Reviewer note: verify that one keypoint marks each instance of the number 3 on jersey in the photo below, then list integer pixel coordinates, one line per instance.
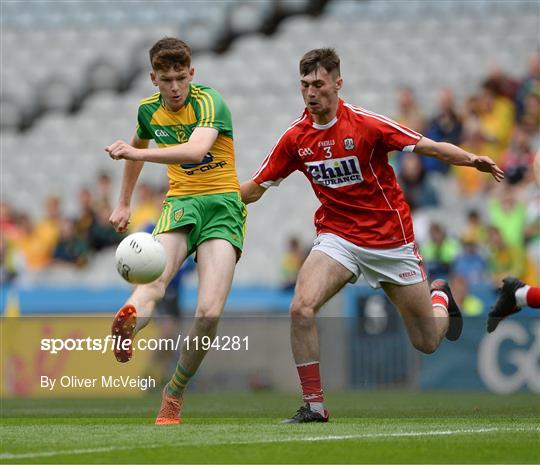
(328, 150)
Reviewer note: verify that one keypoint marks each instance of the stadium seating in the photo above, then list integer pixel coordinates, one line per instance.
(54, 54)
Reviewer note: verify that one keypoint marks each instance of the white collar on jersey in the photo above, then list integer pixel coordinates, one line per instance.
(326, 125)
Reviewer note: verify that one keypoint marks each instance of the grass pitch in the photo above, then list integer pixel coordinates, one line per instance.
(365, 427)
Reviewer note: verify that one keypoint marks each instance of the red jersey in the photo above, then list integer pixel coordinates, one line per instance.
(346, 161)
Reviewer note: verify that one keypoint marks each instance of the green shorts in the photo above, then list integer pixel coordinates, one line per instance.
(221, 215)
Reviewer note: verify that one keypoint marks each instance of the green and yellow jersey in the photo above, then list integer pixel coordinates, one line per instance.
(204, 107)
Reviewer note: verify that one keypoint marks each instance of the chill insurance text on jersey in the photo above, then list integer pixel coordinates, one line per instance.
(335, 171)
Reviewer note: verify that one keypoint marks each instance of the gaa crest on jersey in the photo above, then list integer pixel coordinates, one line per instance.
(161, 133)
(304, 152)
(178, 214)
(348, 143)
(335, 173)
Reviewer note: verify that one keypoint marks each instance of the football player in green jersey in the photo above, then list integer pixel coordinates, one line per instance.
(203, 212)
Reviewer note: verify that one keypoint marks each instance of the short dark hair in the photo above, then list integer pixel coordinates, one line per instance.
(326, 57)
(170, 52)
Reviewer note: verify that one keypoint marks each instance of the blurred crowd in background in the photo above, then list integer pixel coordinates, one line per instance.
(30, 245)
(501, 235)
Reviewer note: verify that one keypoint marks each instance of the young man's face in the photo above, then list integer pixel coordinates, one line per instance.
(173, 85)
(320, 92)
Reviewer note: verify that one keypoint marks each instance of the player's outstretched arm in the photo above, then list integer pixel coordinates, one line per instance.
(251, 192)
(191, 152)
(536, 168)
(120, 216)
(451, 154)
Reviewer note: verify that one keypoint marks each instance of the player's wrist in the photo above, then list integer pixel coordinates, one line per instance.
(473, 159)
(139, 154)
(123, 203)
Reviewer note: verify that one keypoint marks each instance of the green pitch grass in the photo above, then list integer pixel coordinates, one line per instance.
(365, 427)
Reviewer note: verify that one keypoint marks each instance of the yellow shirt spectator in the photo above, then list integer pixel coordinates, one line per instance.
(497, 121)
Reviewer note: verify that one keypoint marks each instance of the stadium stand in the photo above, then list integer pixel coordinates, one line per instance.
(73, 73)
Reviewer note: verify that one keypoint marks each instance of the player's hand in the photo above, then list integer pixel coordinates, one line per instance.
(486, 164)
(122, 150)
(119, 218)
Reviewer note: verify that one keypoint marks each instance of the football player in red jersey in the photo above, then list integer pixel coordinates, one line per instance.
(363, 225)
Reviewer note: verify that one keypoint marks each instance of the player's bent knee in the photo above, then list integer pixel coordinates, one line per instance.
(301, 311)
(427, 346)
(206, 321)
(208, 312)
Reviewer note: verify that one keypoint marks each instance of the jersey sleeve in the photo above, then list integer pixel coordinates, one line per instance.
(396, 137)
(212, 111)
(143, 129)
(278, 165)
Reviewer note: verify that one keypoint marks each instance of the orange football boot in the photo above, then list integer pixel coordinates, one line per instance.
(169, 412)
(122, 328)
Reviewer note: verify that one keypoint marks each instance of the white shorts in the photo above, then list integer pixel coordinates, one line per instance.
(402, 265)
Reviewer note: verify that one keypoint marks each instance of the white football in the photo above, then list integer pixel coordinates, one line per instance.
(140, 258)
